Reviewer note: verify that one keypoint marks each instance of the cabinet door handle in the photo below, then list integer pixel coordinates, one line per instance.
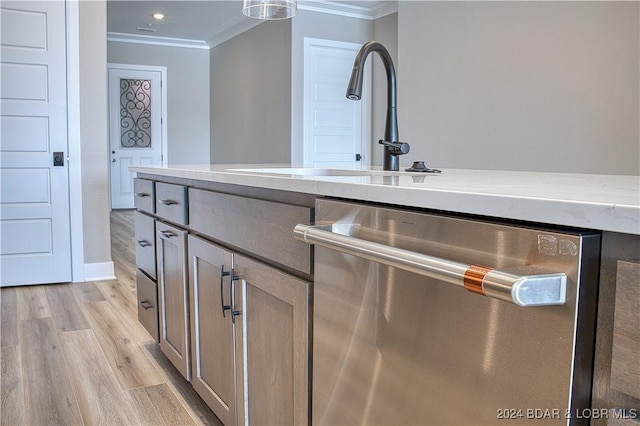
(143, 243)
(167, 202)
(167, 234)
(142, 194)
(145, 304)
(223, 307)
(232, 297)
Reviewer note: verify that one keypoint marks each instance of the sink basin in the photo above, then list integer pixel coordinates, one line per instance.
(302, 171)
(308, 171)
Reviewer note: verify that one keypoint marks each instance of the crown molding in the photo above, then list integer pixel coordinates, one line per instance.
(233, 30)
(349, 10)
(384, 9)
(158, 41)
(237, 28)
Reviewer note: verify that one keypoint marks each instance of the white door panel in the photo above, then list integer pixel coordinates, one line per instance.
(334, 144)
(24, 134)
(22, 185)
(16, 20)
(135, 126)
(24, 82)
(26, 237)
(121, 167)
(35, 237)
(335, 128)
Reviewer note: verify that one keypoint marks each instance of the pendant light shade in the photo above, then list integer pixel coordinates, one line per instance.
(270, 9)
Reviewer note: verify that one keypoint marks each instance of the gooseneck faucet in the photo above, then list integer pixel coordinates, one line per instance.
(392, 147)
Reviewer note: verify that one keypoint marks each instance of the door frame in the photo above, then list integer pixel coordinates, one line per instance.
(163, 105)
(365, 101)
(74, 141)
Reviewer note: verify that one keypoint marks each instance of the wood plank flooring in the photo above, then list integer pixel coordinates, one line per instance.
(76, 354)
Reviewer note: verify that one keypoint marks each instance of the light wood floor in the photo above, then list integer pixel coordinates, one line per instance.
(76, 354)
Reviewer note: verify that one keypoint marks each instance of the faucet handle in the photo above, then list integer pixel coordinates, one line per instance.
(396, 148)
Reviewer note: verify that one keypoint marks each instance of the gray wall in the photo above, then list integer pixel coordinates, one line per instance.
(324, 26)
(187, 95)
(385, 30)
(93, 131)
(544, 86)
(251, 96)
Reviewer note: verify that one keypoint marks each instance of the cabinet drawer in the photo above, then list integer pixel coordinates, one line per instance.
(171, 202)
(145, 236)
(147, 303)
(264, 228)
(144, 199)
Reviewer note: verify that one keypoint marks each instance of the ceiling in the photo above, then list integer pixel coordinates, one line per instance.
(207, 23)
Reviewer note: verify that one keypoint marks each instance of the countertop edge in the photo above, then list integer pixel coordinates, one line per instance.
(613, 217)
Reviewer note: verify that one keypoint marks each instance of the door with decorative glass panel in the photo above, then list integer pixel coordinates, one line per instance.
(136, 125)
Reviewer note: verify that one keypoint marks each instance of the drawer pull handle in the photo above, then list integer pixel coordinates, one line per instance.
(145, 304)
(142, 194)
(168, 202)
(167, 234)
(143, 243)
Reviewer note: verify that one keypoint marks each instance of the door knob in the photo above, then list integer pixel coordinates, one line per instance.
(58, 159)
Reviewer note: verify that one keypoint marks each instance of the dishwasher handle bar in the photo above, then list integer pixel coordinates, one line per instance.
(523, 290)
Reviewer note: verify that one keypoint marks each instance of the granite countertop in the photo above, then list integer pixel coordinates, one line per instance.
(600, 202)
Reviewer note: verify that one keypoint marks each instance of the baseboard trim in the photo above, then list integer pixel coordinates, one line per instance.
(99, 271)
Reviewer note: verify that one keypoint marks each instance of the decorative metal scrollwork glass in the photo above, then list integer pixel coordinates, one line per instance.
(135, 113)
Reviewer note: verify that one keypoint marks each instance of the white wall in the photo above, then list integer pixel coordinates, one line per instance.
(385, 30)
(257, 103)
(187, 95)
(544, 86)
(324, 26)
(93, 132)
(251, 96)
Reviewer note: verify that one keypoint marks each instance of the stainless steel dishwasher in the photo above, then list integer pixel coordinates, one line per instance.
(428, 319)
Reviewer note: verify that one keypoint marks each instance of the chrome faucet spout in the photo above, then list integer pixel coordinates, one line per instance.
(354, 93)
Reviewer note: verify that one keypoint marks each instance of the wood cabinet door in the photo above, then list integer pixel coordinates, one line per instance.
(616, 378)
(212, 333)
(275, 358)
(173, 296)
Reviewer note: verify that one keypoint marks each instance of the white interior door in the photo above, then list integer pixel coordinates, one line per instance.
(35, 246)
(135, 126)
(335, 128)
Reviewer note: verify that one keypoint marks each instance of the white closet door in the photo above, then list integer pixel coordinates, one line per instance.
(334, 127)
(35, 245)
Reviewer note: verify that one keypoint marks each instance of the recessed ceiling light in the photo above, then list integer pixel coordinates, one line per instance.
(158, 16)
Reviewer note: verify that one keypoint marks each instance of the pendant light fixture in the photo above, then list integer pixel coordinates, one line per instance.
(270, 9)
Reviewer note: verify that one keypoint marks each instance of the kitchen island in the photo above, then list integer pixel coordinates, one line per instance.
(242, 217)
